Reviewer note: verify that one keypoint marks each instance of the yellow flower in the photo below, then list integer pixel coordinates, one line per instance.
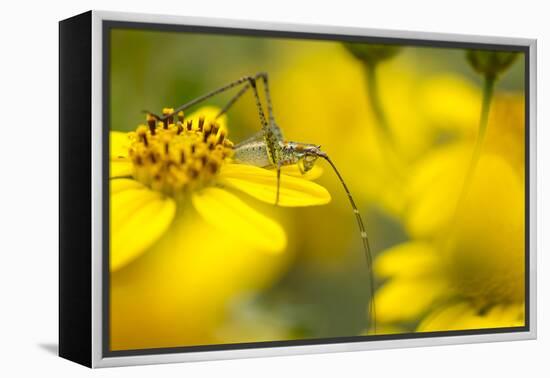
(464, 267)
(185, 239)
(436, 180)
(180, 292)
(480, 264)
(159, 167)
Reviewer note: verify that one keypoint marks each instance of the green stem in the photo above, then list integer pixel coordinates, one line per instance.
(375, 102)
(447, 237)
(389, 148)
(488, 90)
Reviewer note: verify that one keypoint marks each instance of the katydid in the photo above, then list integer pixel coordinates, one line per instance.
(268, 149)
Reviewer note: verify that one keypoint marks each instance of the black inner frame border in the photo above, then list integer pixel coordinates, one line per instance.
(108, 25)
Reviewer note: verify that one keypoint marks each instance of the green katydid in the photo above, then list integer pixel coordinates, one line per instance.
(268, 149)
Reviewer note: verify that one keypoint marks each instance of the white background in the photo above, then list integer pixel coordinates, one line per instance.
(29, 189)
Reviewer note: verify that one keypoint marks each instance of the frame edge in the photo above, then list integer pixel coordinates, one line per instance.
(99, 361)
(75, 306)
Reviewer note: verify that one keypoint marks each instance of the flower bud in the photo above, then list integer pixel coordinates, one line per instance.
(370, 53)
(490, 63)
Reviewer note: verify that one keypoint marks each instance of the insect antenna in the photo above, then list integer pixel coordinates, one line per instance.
(364, 239)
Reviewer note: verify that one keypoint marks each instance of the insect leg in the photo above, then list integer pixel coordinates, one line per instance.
(276, 130)
(271, 134)
(271, 138)
(251, 83)
(271, 118)
(202, 98)
(208, 95)
(264, 77)
(275, 134)
(232, 101)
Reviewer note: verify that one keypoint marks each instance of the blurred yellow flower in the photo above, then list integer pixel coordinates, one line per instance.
(154, 170)
(436, 180)
(464, 266)
(321, 95)
(324, 98)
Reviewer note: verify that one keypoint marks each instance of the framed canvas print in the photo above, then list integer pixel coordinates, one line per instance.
(237, 189)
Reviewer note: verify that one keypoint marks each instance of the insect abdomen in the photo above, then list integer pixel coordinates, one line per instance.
(253, 153)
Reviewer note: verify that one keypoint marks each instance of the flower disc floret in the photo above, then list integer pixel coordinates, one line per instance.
(175, 157)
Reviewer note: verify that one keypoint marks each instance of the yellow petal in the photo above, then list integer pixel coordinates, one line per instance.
(406, 300)
(463, 316)
(139, 216)
(124, 184)
(228, 213)
(179, 292)
(486, 246)
(293, 170)
(450, 102)
(120, 168)
(434, 188)
(442, 319)
(413, 259)
(506, 130)
(262, 184)
(119, 145)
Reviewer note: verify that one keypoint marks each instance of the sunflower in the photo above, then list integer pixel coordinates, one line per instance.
(158, 168)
